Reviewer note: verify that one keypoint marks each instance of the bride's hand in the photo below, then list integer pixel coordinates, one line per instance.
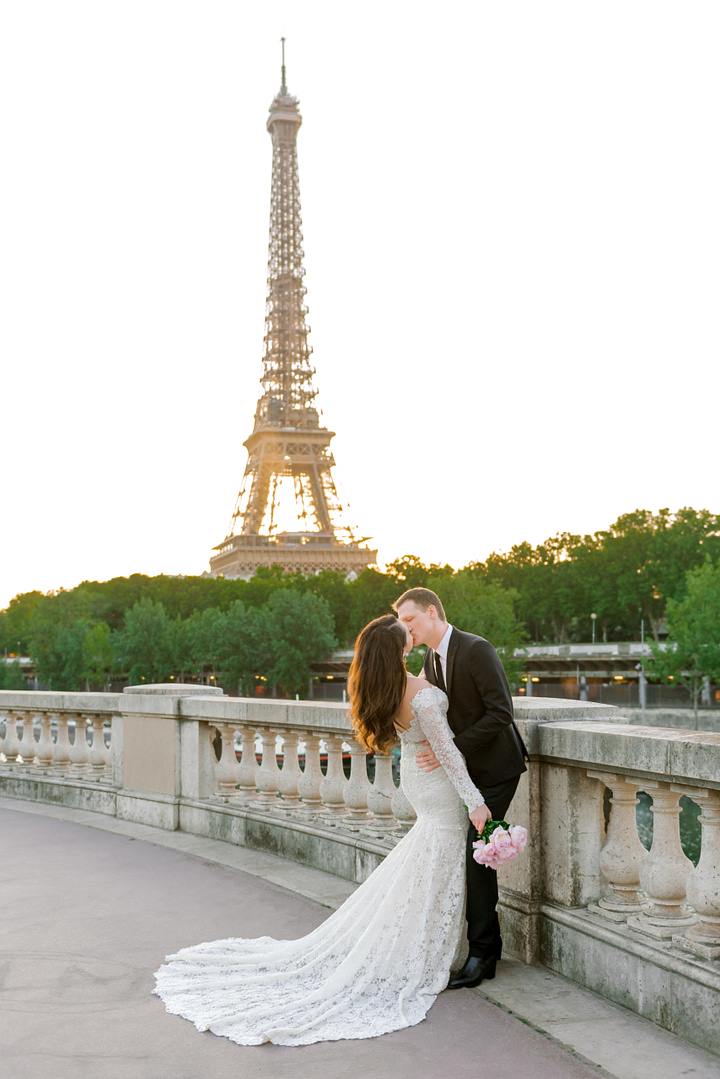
(479, 816)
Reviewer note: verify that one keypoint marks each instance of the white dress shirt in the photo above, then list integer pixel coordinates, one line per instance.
(442, 651)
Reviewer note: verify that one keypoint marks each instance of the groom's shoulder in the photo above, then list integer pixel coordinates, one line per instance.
(469, 638)
(473, 642)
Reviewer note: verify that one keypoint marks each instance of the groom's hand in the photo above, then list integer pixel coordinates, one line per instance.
(426, 759)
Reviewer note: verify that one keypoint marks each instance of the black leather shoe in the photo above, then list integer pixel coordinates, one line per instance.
(475, 970)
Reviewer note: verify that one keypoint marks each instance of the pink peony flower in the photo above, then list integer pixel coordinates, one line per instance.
(518, 836)
(503, 844)
(501, 840)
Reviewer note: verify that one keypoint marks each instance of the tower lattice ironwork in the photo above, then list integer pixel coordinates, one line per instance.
(288, 445)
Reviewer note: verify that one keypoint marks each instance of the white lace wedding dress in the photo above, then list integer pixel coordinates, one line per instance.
(378, 963)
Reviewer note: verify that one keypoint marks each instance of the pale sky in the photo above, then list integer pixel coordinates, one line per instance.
(512, 227)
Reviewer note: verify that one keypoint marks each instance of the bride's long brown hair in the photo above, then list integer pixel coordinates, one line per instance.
(377, 681)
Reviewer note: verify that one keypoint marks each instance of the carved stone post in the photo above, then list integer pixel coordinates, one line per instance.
(248, 771)
(664, 872)
(61, 752)
(290, 774)
(332, 787)
(28, 745)
(703, 884)
(358, 786)
(45, 746)
(98, 759)
(80, 751)
(11, 745)
(107, 751)
(267, 777)
(382, 793)
(226, 769)
(309, 784)
(623, 854)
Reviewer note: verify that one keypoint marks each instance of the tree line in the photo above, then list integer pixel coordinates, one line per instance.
(271, 627)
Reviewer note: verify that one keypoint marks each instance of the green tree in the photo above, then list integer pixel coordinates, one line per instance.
(372, 594)
(56, 631)
(15, 623)
(333, 587)
(196, 643)
(648, 556)
(144, 646)
(242, 646)
(70, 656)
(479, 606)
(11, 676)
(415, 659)
(693, 651)
(98, 654)
(299, 630)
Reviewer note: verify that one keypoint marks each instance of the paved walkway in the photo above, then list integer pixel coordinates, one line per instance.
(90, 911)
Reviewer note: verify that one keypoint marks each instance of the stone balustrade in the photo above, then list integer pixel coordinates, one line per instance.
(586, 898)
(37, 738)
(190, 757)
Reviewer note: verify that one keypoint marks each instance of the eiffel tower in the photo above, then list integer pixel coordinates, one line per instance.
(289, 459)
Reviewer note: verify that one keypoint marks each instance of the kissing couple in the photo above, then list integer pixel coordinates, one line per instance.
(380, 960)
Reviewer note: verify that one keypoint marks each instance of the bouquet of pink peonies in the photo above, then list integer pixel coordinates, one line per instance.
(499, 842)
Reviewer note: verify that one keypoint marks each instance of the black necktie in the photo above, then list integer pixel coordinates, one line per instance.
(439, 673)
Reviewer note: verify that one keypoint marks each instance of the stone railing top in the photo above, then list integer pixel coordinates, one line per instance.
(666, 753)
(174, 689)
(40, 701)
(208, 703)
(212, 706)
(553, 709)
(324, 716)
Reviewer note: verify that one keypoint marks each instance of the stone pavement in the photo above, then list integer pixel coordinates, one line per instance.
(91, 905)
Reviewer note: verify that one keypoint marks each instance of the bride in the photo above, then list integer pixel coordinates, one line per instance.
(378, 963)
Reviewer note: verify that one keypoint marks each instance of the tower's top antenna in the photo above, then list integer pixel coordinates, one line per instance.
(283, 86)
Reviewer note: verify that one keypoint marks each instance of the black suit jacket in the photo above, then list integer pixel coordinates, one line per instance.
(480, 713)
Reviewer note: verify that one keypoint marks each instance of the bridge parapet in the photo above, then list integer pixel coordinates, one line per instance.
(586, 899)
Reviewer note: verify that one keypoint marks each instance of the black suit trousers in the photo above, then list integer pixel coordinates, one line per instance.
(482, 887)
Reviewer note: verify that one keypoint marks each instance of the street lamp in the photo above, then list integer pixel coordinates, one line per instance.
(594, 619)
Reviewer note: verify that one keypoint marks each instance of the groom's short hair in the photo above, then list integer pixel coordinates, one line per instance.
(424, 598)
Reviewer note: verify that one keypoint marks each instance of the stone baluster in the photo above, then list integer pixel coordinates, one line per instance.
(664, 873)
(61, 752)
(226, 769)
(46, 746)
(358, 786)
(11, 746)
(98, 760)
(106, 750)
(28, 745)
(4, 718)
(309, 783)
(267, 777)
(80, 751)
(332, 787)
(290, 774)
(623, 853)
(383, 791)
(703, 884)
(248, 771)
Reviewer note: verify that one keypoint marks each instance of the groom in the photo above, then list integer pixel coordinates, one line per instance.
(480, 715)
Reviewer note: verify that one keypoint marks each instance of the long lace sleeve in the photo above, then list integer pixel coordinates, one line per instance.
(429, 708)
